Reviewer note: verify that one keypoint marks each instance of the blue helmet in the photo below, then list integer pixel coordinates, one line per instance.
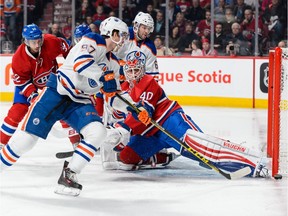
(80, 31)
(31, 32)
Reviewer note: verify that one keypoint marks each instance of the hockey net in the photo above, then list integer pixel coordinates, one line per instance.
(277, 130)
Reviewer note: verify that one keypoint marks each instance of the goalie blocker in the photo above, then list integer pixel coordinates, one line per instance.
(223, 154)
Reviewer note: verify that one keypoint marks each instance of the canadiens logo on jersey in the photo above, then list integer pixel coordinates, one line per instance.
(41, 80)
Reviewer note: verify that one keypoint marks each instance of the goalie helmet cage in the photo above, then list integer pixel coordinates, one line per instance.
(277, 130)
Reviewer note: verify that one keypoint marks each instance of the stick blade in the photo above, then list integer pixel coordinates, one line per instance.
(61, 155)
(240, 173)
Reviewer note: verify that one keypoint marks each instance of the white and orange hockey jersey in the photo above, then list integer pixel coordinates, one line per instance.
(79, 75)
(145, 46)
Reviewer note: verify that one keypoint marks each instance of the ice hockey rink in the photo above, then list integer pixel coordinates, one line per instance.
(183, 188)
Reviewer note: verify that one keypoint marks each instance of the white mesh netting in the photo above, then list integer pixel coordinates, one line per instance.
(283, 148)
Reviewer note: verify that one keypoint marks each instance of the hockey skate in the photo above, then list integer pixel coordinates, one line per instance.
(67, 183)
(261, 171)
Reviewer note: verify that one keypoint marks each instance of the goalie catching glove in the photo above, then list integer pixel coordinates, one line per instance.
(144, 114)
(117, 135)
(109, 88)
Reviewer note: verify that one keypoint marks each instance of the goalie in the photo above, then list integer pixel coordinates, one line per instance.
(136, 140)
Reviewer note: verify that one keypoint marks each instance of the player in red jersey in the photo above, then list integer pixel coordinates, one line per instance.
(146, 139)
(32, 64)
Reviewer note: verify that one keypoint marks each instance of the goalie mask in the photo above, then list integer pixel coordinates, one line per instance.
(143, 19)
(134, 68)
(112, 24)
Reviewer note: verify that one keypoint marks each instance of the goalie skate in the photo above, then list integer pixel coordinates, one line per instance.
(67, 183)
(261, 171)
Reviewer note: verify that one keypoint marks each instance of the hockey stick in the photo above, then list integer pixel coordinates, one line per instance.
(61, 155)
(233, 175)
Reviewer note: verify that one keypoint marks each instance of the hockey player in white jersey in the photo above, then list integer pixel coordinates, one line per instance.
(143, 26)
(89, 68)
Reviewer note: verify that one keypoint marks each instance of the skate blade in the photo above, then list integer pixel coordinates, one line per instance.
(68, 191)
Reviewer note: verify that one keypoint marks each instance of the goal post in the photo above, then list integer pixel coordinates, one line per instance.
(277, 130)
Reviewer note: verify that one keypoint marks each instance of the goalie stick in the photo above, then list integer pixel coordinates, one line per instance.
(231, 176)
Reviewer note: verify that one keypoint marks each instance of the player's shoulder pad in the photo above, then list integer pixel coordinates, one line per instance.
(149, 43)
(98, 38)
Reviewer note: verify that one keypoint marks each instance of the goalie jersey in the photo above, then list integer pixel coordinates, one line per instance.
(149, 90)
(82, 81)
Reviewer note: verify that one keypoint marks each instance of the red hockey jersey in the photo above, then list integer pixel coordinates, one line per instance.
(150, 91)
(28, 70)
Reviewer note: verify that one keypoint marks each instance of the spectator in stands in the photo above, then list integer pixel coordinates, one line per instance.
(219, 11)
(10, 11)
(219, 39)
(235, 43)
(228, 3)
(239, 9)
(83, 11)
(196, 48)
(2, 30)
(184, 6)
(112, 14)
(196, 13)
(186, 39)
(203, 27)
(173, 10)
(248, 28)
(276, 18)
(180, 22)
(205, 4)
(55, 30)
(95, 26)
(159, 25)
(108, 5)
(88, 20)
(67, 29)
(206, 48)
(150, 10)
(265, 4)
(174, 38)
(283, 44)
(161, 49)
(99, 15)
(229, 20)
(128, 14)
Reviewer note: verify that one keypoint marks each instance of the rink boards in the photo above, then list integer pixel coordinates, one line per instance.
(203, 81)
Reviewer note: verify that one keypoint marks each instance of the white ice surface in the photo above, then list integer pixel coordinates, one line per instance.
(184, 188)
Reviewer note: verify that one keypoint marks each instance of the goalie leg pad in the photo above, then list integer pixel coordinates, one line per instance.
(129, 156)
(224, 154)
